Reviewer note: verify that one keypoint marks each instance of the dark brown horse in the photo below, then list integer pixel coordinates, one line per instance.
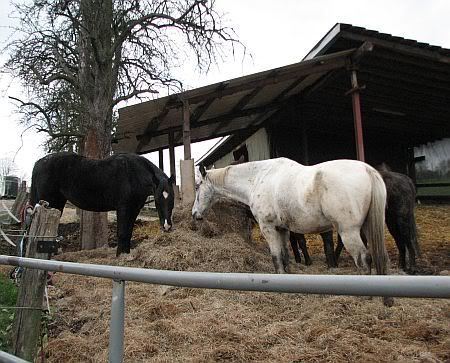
(121, 182)
(401, 196)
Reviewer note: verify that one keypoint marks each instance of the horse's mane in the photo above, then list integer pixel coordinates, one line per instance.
(217, 176)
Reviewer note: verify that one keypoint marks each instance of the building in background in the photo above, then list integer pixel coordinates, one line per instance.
(9, 186)
(358, 94)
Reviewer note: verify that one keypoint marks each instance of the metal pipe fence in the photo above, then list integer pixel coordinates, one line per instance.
(9, 358)
(359, 285)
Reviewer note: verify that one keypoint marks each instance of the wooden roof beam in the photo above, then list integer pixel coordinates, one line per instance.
(200, 110)
(240, 105)
(316, 65)
(219, 119)
(153, 124)
(145, 138)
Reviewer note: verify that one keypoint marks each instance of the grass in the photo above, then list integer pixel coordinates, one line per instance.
(8, 296)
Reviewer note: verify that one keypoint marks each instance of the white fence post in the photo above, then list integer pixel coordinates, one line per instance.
(116, 331)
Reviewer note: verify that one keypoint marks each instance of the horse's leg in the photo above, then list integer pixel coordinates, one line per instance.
(304, 248)
(412, 256)
(353, 243)
(125, 221)
(284, 234)
(339, 248)
(277, 240)
(133, 215)
(328, 247)
(295, 247)
(409, 234)
(395, 230)
(121, 229)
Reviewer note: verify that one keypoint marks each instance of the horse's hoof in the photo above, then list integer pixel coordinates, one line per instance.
(388, 301)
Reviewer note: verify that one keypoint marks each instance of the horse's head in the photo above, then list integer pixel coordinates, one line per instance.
(164, 202)
(204, 193)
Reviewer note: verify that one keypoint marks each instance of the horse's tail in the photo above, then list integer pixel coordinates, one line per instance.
(374, 223)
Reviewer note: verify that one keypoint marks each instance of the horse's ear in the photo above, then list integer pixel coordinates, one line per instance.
(202, 170)
(172, 179)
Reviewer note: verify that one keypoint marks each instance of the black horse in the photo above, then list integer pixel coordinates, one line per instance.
(121, 182)
(401, 196)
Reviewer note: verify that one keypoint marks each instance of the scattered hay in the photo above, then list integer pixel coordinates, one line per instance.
(214, 325)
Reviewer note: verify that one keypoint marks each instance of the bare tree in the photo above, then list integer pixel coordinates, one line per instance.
(7, 167)
(78, 59)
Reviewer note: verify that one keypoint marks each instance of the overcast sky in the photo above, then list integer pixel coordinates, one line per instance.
(276, 33)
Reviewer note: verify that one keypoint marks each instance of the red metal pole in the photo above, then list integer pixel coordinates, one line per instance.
(356, 103)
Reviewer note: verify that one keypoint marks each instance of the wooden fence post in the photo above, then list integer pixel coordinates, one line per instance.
(20, 201)
(27, 322)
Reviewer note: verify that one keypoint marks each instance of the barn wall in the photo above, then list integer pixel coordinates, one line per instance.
(257, 147)
(323, 145)
(434, 168)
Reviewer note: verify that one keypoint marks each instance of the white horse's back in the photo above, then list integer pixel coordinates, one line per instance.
(310, 199)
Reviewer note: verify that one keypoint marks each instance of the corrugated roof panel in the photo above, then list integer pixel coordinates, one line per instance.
(308, 81)
(223, 105)
(268, 93)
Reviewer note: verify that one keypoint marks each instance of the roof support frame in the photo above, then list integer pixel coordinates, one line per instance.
(316, 65)
(186, 131)
(398, 47)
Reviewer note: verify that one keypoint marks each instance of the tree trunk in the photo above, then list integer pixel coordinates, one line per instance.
(93, 226)
(96, 81)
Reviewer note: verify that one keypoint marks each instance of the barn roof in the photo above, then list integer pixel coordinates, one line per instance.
(407, 88)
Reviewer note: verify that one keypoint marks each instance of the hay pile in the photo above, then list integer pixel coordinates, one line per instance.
(178, 325)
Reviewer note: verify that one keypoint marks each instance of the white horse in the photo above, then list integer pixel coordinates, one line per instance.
(283, 195)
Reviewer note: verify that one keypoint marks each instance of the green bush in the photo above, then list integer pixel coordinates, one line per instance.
(8, 296)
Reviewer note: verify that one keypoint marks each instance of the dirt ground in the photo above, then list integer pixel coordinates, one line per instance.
(194, 325)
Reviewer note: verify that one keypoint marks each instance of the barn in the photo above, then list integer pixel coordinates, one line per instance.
(358, 94)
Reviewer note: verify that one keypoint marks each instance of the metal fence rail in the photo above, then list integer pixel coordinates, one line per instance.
(362, 285)
(9, 358)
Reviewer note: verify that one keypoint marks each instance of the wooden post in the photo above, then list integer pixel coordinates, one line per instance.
(172, 154)
(161, 159)
(187, 165)
(187, 181)
(27, 323)
(186, 130)
(20, 202)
